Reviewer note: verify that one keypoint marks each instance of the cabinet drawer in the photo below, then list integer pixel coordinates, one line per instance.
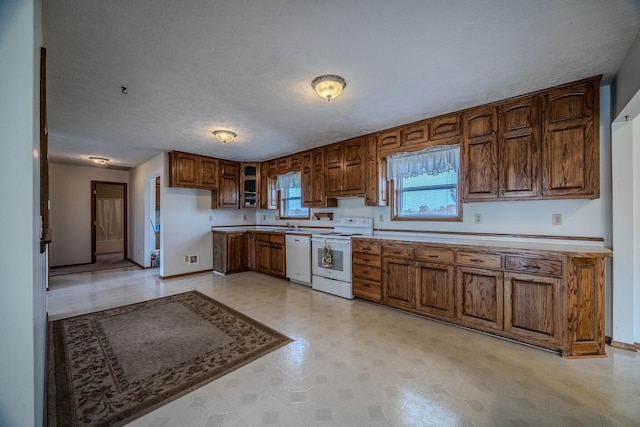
(276, 238)
(479, 259)
(399, 251)
(367, 272)
(367, 289)
(366, 259)
(533, 265)
(366, 248)
(262, 237)
(434, 255)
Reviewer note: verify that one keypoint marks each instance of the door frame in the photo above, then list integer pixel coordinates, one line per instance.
(93, 217)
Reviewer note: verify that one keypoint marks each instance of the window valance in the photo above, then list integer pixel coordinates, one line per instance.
(430, 161)
(288, 180)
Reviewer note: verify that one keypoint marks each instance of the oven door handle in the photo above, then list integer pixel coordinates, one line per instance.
(333, 242)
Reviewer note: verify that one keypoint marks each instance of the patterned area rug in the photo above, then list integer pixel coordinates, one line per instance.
(110, 367)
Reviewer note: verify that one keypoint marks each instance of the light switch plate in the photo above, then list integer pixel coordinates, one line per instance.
(556, 219)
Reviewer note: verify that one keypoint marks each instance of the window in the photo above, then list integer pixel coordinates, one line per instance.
(291, 197)
(426, 184)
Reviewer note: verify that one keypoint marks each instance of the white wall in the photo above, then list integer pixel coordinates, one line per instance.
(140, 208)
(22, 275)
(70, 194)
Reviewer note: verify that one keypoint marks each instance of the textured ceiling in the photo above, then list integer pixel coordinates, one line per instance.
(192, 66)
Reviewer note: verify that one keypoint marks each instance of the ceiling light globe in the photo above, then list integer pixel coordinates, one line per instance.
(99, 160)
(224, 136)
(328, 86)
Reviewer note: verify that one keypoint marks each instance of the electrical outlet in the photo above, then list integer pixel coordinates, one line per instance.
(381, 218)
(186, 258)
(556, 219)
(244, 217)
(210, 217)
(478, 218)
(264, 217)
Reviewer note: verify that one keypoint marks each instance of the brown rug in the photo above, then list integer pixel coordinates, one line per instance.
(111, 367)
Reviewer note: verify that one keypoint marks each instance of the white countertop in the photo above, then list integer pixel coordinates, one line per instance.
(499, 242)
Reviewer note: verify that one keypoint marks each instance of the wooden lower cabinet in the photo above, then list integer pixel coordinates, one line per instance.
(270, 254)
(435, 289)
(398, 283)
(367, 271)
(229, 252)
(532, 308)
(252, 251)
(479, 298)
(549, 298)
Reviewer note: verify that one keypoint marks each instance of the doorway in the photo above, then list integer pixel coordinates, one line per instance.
(108, 221)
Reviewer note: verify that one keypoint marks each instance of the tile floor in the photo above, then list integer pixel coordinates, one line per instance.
(355, 363)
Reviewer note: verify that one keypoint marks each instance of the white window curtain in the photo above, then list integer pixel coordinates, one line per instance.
(288, 180)
(109, 220)
(430, 161)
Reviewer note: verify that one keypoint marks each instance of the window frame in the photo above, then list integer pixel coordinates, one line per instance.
(281, 207)
(395, 197)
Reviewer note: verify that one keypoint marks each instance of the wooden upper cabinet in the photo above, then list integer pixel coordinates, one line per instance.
(519, 148)
(415, 134)
(570, 151)
(354, 167)
(250, 185)
(445, 126)
(282, 165)
(479, 154)
(228, 194)
(313, 180)
(295, 162)
(334, 170)
(192, 171)
(389, 140)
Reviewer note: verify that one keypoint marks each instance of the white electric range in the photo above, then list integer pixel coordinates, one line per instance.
(331, 255)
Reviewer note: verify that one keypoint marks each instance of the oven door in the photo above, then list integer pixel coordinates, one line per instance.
(340, 250)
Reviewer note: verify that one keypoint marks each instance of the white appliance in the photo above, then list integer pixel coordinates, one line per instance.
(332, 273)
(298, 258)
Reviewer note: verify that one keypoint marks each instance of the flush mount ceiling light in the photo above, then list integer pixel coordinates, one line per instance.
(99, 160)
(328, 86)
(224, 136)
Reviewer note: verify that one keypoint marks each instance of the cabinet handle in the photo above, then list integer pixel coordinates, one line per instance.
(476, 260)
(532, 267)
(396, 252)
(366, 248)
(434, 256)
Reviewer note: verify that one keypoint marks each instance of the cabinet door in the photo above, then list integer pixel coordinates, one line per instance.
(207, 172)
(479, 298)
(317, 190)
(398, 283)
(389, 141)
(263, 257)
(295, 162)
(415, 134)
(570, 154)
(249, 185)
(519, 148)
(220, 252)
(371, 175)
(435, 289)
(479, 154)
(252, 251)
(277, 260)
(228, 185)
(183, 169)
(306, 179)
(445, 126)
(333, 158)
(354, 170)
(531, 308)
(237, 252)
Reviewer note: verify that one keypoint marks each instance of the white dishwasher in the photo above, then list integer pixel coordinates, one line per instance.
(298, 257)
